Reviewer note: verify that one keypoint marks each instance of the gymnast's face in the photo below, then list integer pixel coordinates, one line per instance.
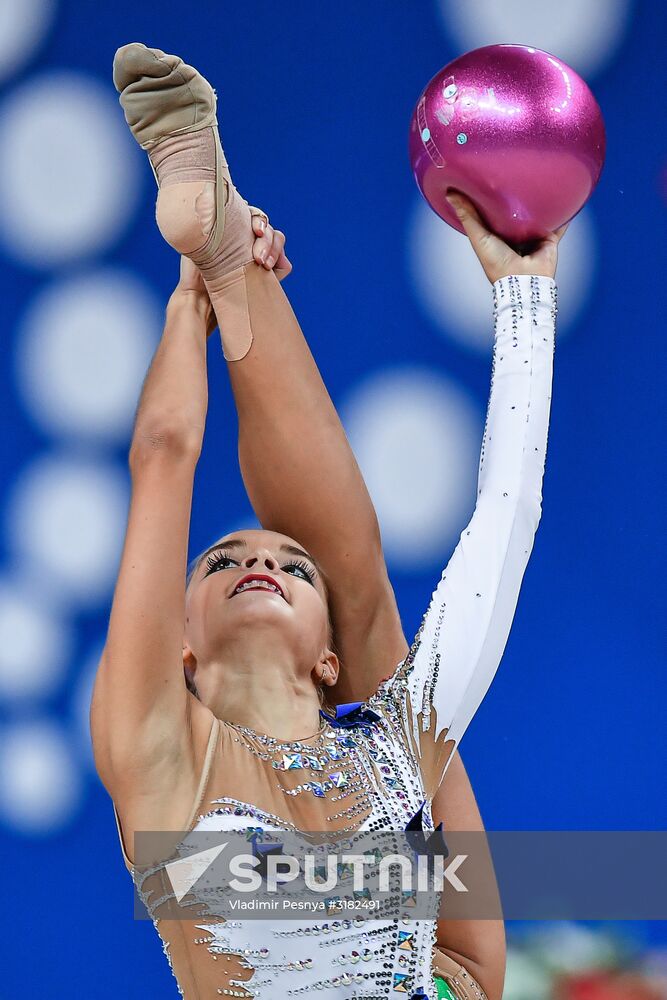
(229, 611)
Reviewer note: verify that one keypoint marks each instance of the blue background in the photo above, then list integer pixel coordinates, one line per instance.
(315, 103)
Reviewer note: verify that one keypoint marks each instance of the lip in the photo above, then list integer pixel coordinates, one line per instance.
(258, 576)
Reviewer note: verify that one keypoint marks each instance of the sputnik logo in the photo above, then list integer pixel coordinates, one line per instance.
(184, 873)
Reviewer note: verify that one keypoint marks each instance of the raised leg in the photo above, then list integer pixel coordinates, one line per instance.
(299, 470)
(302, 479)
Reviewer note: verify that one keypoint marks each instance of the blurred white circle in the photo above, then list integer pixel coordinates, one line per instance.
(35, 644)
(23, 24)
(417, 438)
(456, 294)
(83, 351)
(66, 521)
(584, 33)
(40, 783)
(68, 171)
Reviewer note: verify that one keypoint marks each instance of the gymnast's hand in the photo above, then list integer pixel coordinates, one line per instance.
(496, 257)
(191, 293)
(268, 250)
(269, 247)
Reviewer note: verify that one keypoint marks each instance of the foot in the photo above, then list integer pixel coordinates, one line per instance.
(171, 110)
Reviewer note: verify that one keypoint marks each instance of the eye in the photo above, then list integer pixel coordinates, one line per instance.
(219, 560)
(301, 570)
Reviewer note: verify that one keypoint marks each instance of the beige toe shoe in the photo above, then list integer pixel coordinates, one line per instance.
(162, 97)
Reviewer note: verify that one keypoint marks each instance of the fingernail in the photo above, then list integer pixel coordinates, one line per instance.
(262, 225)
(262, 256)
(270, 261)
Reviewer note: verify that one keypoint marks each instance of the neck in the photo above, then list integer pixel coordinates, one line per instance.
(270, 698)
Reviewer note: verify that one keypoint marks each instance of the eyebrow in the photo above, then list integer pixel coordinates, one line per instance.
(238, 543)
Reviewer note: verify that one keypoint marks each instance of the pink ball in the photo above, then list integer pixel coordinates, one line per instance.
(517, 131)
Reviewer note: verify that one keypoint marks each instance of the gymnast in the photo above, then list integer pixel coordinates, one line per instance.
(220, 692)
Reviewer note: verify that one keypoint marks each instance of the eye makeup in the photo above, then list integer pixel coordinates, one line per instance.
(221, 559)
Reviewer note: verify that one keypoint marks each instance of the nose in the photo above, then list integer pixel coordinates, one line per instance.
(260, 558)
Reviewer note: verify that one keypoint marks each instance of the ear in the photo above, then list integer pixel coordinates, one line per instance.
(189, 662)
(327, 669)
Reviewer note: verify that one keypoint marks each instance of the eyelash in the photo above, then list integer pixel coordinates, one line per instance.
(215, 560)
(302, 566)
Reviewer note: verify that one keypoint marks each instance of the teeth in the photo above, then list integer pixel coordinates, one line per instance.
(253, 584)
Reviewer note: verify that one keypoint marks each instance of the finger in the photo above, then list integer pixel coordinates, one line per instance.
(468, 216)
(258, 225)
(262, 246)
(283, 267)
(276, 248)
(187, 269)
(266, 249)
(190, 276)
(560, 232)
(259, 220)
(258, 248)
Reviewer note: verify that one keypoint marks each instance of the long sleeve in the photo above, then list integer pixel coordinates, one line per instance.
(452, 661)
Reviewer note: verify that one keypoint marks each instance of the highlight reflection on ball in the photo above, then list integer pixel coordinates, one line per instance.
(516, 130)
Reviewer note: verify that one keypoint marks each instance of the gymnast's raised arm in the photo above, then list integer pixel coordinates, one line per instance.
(140, 712)
(464, 631)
